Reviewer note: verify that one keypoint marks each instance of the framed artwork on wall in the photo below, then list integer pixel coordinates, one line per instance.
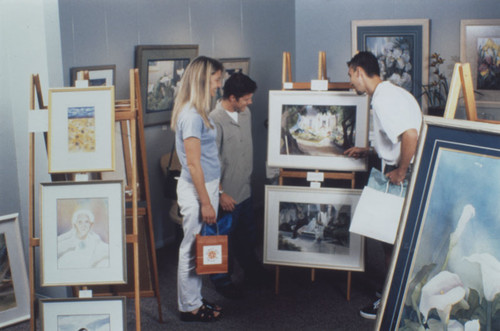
(401, 47)
(81, 129)
(160, 70)
(82, 233)
(311, 130)
(234, 65)
(14, 288)
(480, 46)
(103, 313)
(309, 227)
(98, 75)
(446, 263)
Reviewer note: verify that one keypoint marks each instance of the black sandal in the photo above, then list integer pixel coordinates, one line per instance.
(211, 305)
(204, 314)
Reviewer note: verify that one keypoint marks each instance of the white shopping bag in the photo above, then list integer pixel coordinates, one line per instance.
(377, 215)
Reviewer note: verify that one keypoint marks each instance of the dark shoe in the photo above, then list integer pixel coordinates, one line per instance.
(230, 291)
(204, 314)
(211, 305)
(370, 312)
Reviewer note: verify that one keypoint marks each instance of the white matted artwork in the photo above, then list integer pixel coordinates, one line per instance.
(311, 130)
(82, 233)
(104, 313)
(81, 129)
(309, 227)
(14, 289)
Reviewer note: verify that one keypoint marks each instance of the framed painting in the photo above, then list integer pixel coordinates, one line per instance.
(82, 233)
(309, 227)
(14, 289)
(160, 71)
(234, 65)
(446, 263)
(401, 47)
(480, 46)
(311, 130)
(98, 75)
(81, 129)
(103, 313)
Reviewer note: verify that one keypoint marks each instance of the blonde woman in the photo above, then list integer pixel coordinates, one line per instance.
(198, 187)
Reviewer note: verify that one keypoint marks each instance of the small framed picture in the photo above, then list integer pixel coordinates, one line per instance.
(82, 233)
(309, 227)
(103, 313)
(98, 75)
(14, 288)
(160, 70)
(234, 65)
(81, 129)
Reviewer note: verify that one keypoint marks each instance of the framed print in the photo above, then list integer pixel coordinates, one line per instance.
(98, 75)
(82, 233)
(81, 129)
(14, 288)
(309, 227)
(446, 263)
(160, 70)
(479, 46)
(103, 313)
(401, 47)
(311, 130)
(234, 65)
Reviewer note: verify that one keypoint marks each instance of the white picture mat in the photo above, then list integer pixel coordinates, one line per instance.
(340, 163)
(272, 255)
(102, 159)
(115, 272)
(9, 226)
(115, 307)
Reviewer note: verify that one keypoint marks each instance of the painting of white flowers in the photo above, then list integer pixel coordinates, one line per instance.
(446, 273)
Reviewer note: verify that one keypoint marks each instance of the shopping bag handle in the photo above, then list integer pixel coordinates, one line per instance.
(387, 189)
(204, 227)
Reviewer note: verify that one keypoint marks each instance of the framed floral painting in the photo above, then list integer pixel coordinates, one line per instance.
(401, 47)
(445, 269)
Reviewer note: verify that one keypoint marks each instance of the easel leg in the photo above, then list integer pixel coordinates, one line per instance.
(277, 281)
(349, 277)
(313, 275)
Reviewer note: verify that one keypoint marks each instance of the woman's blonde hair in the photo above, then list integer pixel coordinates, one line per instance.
(195, 88)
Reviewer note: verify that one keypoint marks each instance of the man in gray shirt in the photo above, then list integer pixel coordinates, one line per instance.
(234, 139)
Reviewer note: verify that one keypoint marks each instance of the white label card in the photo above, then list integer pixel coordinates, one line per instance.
(315, 176)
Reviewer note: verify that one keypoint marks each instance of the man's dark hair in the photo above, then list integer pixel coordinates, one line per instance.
(238, 85)
(367, 61)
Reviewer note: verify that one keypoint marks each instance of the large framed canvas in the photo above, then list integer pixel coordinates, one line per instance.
(401, 47)
(309, 227)
(14, 289)
(311, 130)
(103, 75)
(82, 233)
(81, 129)
(160, 71)
(480, 46)
(103, 313)
(446, 265)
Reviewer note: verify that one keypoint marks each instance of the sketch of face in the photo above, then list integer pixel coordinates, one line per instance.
(83, 226)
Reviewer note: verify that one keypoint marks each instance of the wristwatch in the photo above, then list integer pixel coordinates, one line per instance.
(220, 192)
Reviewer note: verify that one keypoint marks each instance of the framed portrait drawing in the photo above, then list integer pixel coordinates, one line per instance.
(311, 130)
(14, 289)
(401, 47)
(160, 70)
(104, 75)
(446, 265)
(479, 46)
(103, 313)
(81, 129)
(82, 233)
(309, 227)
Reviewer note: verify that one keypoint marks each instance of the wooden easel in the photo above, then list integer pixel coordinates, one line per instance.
(349, 176)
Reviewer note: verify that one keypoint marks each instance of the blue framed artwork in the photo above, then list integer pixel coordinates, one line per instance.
(446, 263)
(402, 48)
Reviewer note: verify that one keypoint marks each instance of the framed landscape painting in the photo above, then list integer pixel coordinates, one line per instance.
(82, 233)
(103, 313)
(401, 47)
(446, 265)
(81, 129)
(309, 227)
(160, 70)
(14, 289)
(311, 130)
(98, 75)
(480, 46)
